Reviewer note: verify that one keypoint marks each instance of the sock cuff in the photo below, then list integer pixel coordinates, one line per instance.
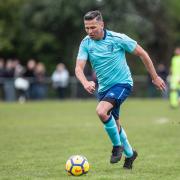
(108, 120)
(110, 123)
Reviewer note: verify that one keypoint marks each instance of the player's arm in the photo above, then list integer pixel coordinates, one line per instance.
(89, 86)
(157, 81)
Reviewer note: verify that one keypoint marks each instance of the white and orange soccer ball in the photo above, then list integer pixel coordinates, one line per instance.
(77, 165)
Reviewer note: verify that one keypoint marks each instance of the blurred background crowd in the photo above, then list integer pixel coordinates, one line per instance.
(18, 82)
(32, 82)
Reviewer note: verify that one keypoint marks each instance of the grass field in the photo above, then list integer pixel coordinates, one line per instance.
(37, 138)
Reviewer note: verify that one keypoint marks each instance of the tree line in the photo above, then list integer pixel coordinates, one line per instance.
(51, 30)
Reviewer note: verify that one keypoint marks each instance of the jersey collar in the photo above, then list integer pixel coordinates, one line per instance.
(104, 34)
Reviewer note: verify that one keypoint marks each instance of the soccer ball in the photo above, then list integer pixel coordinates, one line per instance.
(77, 165)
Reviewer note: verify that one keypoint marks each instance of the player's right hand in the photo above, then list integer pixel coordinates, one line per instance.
(90, 86)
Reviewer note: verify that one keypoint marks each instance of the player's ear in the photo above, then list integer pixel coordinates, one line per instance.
(102, 24)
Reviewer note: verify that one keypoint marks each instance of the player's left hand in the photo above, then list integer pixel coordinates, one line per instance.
(159, 83)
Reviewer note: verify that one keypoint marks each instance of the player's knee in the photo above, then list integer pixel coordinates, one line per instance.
(101, 113)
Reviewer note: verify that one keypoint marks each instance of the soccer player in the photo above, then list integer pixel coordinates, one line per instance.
(175, 79)
(106, 51)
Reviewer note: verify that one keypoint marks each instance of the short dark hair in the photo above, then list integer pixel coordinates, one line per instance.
(93, 14)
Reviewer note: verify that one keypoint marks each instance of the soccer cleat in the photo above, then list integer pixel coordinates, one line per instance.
(116, 154)
(129, 161)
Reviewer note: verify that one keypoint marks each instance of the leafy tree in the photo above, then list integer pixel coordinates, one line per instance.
(51, 30)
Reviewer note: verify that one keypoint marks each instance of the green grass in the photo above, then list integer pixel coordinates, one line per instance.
(37, 138)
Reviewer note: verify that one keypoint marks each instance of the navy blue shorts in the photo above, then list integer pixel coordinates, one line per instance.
(116, 94)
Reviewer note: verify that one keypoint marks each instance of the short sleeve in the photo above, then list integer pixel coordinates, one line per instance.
(128, 44)
(83, 52)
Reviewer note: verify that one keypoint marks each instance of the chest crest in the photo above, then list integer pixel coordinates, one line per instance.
(110, 47)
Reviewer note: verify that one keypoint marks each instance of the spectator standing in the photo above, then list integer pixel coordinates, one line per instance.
(30, 76)
(21, 84)
(60, 79)
(19, 70)
(40, 87)
(9, 89)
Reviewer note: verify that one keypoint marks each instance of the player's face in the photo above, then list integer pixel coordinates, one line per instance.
(94, 28)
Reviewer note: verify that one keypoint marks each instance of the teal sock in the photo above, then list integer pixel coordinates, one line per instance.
(128, 151)
(112, 131)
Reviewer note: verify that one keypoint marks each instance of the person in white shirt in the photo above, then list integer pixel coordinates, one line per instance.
(60, 80)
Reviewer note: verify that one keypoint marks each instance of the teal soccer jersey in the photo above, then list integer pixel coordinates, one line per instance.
(107, 57)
